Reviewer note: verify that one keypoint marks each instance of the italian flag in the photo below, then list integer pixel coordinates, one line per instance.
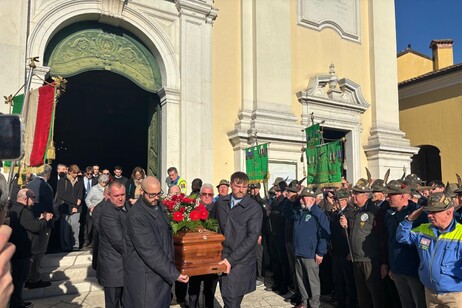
(40, 112)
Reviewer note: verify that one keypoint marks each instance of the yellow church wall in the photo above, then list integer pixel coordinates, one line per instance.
(312, 53)
(411, 65)
(434, 119)
(226, 84)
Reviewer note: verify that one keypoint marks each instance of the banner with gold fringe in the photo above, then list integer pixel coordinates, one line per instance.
(256, 159)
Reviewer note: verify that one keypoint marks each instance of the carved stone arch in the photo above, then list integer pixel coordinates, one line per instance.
(91, 46)
(60, 14)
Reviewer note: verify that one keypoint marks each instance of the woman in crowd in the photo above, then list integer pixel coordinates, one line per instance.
(133, 186)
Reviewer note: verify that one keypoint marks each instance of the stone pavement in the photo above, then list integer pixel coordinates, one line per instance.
(95, 299)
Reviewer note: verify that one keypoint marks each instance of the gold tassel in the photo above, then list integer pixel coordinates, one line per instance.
(51, 151)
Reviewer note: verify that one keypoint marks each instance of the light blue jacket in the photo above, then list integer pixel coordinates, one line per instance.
(440, 254)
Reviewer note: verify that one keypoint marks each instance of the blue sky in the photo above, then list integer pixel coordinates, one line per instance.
(418, 22)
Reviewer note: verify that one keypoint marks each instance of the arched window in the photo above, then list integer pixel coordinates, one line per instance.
(427, 163)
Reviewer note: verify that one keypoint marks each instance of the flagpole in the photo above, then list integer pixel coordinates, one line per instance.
(24, 112)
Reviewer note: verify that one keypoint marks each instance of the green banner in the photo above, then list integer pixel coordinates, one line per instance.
(313, 135)
(325, 163)
(256, 163)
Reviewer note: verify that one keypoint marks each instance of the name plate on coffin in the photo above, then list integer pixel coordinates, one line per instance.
(198, 252)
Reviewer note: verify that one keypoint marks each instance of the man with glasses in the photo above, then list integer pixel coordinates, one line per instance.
(149, 268)
(439, 245)
(368, 247)
(210, 280)
(239, 219)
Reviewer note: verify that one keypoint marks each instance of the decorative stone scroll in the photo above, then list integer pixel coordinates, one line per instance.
(340, 15)
(94, 49)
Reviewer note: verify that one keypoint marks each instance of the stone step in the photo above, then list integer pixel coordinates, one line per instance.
(76, 272)
(66, 287)
(63, 259)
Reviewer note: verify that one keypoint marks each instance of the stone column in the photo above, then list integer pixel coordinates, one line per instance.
(170, 130)
(195, 117)
(387, 146)
(267, 84)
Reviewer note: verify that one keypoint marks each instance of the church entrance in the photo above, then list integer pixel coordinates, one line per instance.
(103, 118)
(110, 112)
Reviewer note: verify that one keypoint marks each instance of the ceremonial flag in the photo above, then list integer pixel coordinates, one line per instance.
(325, 163)
(256, 158)
(313, 135)
(39, 115)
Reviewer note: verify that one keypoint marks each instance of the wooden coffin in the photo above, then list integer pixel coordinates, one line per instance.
(198, 252)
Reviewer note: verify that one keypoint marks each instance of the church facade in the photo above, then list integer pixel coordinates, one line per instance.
(228, 73)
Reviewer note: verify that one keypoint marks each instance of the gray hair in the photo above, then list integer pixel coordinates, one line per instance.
(46, 170)
(206, 185)
(103, 178)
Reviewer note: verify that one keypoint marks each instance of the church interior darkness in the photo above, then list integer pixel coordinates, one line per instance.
(103, 118)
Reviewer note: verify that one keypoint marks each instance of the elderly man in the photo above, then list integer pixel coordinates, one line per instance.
(111, 245)
(210, 280)
(403, 259)
(149, 269)
(223, 189)
(239, 219)
(174, 179)
(26, 237)
(43, 203)
(311, 232)
(439, 244)
(368, 246)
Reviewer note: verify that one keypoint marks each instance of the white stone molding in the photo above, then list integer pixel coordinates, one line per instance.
(342, 16)
(170, 129)
(40, 73)
(387, 147)
(338, 104)
(195, 119)
(62, 13)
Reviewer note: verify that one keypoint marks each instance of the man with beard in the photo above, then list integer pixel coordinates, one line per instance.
(210, 280)
(239, 219)
(111, 245)
(149, 269)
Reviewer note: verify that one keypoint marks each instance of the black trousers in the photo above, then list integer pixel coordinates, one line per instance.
(180, 291)
(344, 283)
(233, 302)
(113, 297)
(19, 273)
(210, 285)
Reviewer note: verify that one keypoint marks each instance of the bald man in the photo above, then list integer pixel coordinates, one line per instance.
(149, 269)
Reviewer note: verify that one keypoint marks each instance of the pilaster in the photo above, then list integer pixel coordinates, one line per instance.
(387, 146)
(196, 18)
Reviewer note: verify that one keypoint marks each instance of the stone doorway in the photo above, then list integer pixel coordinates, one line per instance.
(110, 113)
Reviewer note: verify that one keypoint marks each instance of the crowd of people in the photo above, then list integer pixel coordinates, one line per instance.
(372, 244)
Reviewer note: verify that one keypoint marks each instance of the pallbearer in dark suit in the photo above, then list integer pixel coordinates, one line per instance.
(111, 245)
(240, 219)
(149, 269)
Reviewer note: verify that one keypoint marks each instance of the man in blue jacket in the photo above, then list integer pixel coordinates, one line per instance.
(403, 258)
(439, 244)
(311, 232)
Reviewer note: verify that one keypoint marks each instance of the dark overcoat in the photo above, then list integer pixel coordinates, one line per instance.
(43, 196)
(149, 269)
(241, 227)
(111, 245)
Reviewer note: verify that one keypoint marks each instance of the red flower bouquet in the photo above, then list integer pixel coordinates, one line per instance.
(188, 214)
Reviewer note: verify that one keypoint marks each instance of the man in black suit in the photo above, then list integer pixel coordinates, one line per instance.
(149, 269)
(86, 223)
(61, 171)
(118, 175)
(43, 203)
(111, 248)
(239, 219)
